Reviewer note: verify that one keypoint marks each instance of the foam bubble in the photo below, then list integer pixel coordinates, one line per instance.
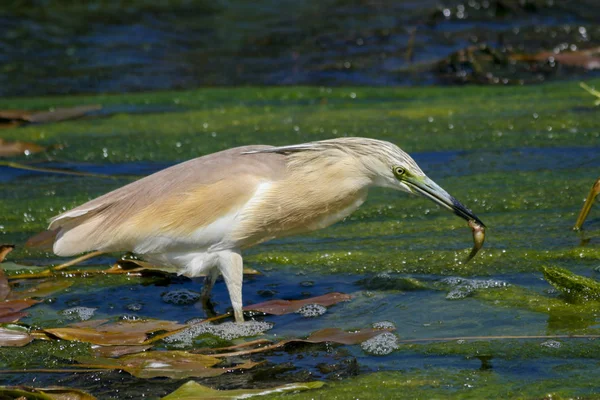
(226, 330)
(464, 287)
(384, 325)
(81, 313)
(180, 297)
(381, 345)
(312, 310)
(553, 344)
(134, 306)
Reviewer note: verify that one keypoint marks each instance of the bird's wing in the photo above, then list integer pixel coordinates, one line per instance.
(172, 202)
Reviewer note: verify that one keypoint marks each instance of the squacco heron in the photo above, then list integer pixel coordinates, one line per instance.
(199, 215)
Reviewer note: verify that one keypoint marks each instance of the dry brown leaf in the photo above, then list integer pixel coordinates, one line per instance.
(118, 351)
(281, 307)
(9, 149)
(193, 391)
(169, 364)
(336, 335)
(53, 115)
(93, 336)
(8, 307)
(146, 326)
(92, 323)
(587, 59)
(12, 317)
(50, 393)
(5, 249)
(43, 289)
(332, 335)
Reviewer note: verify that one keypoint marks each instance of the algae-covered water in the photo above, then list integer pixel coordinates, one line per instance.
(522, 158)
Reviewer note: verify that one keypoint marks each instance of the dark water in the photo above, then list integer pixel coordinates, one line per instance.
(49, 47)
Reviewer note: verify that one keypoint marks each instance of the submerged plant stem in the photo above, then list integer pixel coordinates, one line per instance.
(587, 206)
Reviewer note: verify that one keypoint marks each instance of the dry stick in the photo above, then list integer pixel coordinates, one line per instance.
(43, 370)
(448, 339)
(26, 167)
(587, 206)
(409, 56)
(69, 274)
(78, 260)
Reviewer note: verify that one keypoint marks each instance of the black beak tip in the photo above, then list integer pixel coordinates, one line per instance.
(465, 213)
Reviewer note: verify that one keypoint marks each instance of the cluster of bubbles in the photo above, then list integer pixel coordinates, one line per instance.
(463, 287)
(180, 297)
(226, 331)
(381, 345)
(384, 325)
(312, 310)
(553, 344)
(81, 313)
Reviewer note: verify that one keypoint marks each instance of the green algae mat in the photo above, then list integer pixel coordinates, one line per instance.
(521, 320)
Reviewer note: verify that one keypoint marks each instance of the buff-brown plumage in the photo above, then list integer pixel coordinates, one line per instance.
(197, 216)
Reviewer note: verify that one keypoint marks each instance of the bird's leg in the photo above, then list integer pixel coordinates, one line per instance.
(232, 269)
(209, 282)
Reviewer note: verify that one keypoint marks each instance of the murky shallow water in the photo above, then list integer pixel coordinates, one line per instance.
(527, 185)
(101, 46)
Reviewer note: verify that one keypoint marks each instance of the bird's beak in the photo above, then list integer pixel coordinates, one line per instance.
(433, 191)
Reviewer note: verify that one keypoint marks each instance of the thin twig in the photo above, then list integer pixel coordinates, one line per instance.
(450, 339)
(45, 370)
(26, 167)
(78, 260)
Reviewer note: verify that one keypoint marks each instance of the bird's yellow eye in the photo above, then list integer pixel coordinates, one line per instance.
(399, 171)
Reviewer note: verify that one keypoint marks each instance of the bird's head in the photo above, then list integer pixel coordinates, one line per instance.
(394, 168)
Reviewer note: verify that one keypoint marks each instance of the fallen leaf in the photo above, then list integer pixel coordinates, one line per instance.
(117, 351)
(336, 335)
(146, 326)
(8, 307)
(92, 323)
(93, 336)
(12, 317)
(117, 333)
(50, 393)
(60, 393)
(587, 59)
(5, 248)
(332, 335)
(42, 290)
(169, 364)
(61, 114)
(281, 307)
(14, 336)
(9, 149)
(52, 115)
(193, 390)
